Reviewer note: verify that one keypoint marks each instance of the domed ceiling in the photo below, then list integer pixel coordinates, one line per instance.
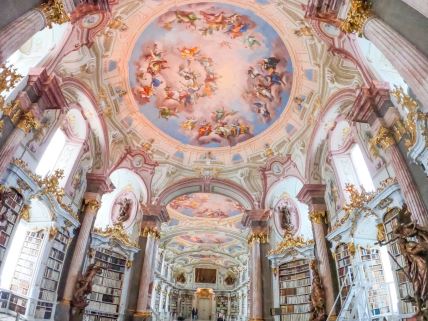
(210, 74)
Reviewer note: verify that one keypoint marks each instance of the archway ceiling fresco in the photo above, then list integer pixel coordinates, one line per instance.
(206, 228)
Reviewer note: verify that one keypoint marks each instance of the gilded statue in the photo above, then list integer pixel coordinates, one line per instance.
(180, 278)
(412, 240)
(84, 287)
(317, 304)
(230, 279)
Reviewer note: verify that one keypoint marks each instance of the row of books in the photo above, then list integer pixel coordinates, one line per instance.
(295, 299)
(106, 290)
(98, 318)
(47, 295)
(59, 246)
(109, 266)
(110, 257)
(294, 270)
(111, 274)
(53, 264)
(106, 298)
(295, 276)
(296, 291)
(49, 284)
(99, 280)
(295, 283)
(296, 308)
(296, 317)
(103, 307)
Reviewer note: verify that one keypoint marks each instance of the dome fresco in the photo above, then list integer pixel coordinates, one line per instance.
(205, 206)
(210, 74)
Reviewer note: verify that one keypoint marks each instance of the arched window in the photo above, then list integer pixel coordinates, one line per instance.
(64, 147)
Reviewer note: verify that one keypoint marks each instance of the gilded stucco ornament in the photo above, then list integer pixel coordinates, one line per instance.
(150, 231)
(92, 205)
(290, 241)
(9, 77)
(54, 12)
(407, 128)
(384, 139)
(49, 185)
(25, 212)
(260, 237)
(116, 232)
(28, 122)
(358, 14)
(318, 217)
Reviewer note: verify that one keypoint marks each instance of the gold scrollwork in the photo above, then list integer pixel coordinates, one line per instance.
(384, 139)
(28, 122)
(318, 217)
(54, 12)
(290, 241)
(381, 234)
(358, 14)
(408, 126)
(144, 314)
(351, 248)
(116, 232)
(261, 237)
(92, 205)
(9, 77)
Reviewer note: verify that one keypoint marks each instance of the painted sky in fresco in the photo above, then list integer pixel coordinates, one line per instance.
(210, 74)
(207, 238)
(206, 206)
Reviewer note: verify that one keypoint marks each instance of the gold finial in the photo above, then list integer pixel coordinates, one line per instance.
(9, 77)
(27, 122)
(54, 12)
(358, 14)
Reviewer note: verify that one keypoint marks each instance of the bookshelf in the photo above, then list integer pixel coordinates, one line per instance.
(221, 304)
(9, 211)
(51, 275)
(295, 288)
(378, 296)
(173, 302)
(234, 306)
(404, 287)
(104, 300)
(27, 262)
(186, 305)
(343, 260)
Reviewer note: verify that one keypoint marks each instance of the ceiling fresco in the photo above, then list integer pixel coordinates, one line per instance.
(206, 238)
(210, 74)
(205, 206)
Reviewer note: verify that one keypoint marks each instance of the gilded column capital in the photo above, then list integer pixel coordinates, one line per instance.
(54, 12)
(28, 122)
(9, 77)
(359, 12)
(92, 205)
(318, 217)
(384, 138)
(260, 237)
(150, 231)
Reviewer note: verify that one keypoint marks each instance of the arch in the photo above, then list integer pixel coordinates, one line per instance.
(75, 91)
(200, 185)
(333, 109)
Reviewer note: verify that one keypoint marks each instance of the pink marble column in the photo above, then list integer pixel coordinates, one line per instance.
(406, 58)
(143, 306)
(408, 187)
(256, 281)
(92, 204)
(15, 34)
(313, 196)
(418, 5)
